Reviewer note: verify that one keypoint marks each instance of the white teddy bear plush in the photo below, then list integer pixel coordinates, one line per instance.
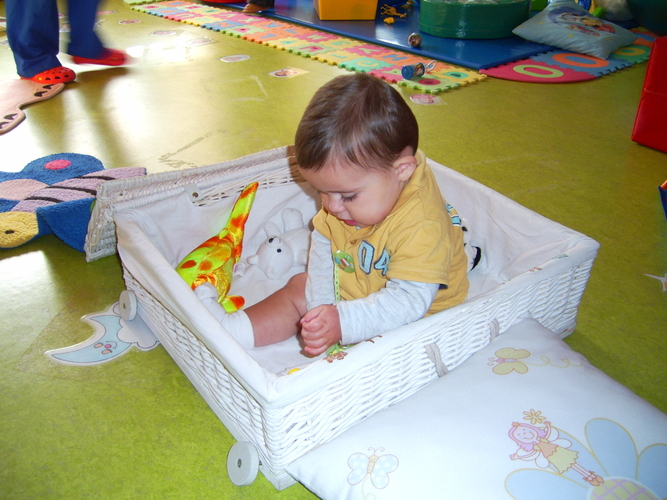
(285, 249)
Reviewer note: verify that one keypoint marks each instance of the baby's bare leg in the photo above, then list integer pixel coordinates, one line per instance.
(277, 317)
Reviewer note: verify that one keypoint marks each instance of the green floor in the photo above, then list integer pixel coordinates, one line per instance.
(136, 428)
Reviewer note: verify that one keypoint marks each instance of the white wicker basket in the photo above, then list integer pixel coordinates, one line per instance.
(532, 267)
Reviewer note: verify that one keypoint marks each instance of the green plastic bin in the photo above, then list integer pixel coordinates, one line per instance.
(450, 19)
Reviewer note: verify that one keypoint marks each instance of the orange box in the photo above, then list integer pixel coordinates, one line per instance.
(346, 10)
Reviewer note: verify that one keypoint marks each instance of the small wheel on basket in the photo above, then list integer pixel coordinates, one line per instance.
(242, 463)
(127, 302)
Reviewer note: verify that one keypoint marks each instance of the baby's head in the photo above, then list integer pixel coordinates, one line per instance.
(356, 145)
(358, 120)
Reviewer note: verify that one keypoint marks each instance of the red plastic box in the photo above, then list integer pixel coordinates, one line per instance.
(651, 122)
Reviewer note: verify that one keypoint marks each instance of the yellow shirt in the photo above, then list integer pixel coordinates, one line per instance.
(417, 241)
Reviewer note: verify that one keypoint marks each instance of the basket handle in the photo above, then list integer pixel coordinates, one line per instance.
(433, 352)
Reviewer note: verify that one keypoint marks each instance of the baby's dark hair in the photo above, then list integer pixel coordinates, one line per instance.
(357, 119)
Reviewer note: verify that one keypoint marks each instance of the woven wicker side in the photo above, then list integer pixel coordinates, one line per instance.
(283, 434)
(318, 418)
(233, 405)
(558, 308)
(114, 196)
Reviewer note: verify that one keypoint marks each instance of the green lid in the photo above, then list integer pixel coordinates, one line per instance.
(453, 19)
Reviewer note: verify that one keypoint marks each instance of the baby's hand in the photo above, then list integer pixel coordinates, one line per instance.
(320, 329)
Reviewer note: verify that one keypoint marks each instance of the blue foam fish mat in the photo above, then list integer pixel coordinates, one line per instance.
(474, 54)
(53, 195)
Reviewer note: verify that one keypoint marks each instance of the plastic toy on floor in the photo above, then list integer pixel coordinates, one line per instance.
(213, 261)
(387, 10)
(53, 195)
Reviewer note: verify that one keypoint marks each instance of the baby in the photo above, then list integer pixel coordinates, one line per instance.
(386, 249)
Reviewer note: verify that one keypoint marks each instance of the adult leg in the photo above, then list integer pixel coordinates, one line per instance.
(85, 46)
(33, 33)
(84, 42)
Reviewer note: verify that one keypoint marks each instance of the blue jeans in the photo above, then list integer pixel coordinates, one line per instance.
(33, 31)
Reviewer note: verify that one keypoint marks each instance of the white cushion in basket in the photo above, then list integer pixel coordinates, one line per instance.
(452, 439)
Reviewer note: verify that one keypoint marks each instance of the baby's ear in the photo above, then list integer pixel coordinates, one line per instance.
(405, 166)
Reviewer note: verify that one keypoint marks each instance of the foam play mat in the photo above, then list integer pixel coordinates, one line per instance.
(382, 49)
(330, 48)
(561, 66)
(470, 53)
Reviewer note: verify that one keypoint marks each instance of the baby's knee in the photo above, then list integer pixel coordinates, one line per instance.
(297, 282)
(296, 291)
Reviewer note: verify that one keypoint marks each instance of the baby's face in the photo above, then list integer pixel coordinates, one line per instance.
(356, 196)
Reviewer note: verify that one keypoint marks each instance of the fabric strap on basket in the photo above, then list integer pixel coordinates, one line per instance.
(433, 351)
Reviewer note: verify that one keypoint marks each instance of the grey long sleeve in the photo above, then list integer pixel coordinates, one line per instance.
(400, 302)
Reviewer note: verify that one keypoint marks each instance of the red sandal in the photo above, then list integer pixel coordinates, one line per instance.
(109, 57)
(59, 74)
